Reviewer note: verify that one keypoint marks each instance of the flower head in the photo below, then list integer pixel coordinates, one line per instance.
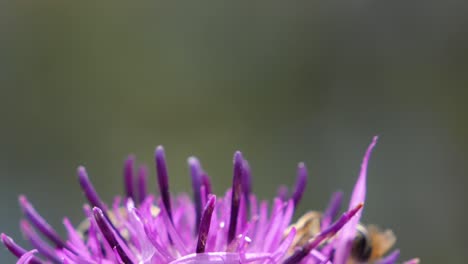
(231, 228)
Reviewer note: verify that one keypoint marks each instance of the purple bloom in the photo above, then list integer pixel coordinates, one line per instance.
(232, 228)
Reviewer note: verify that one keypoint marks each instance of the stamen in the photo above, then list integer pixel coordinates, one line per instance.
(163, 179)
(325, 234)
(205, 224)
(16, 250)
(236, 193)
(301, 183)
(108, 234)
(195, 169)
(142, 183)
(40, 223)
(129, 177)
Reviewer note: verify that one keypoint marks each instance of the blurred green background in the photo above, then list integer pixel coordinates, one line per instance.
(88, 82)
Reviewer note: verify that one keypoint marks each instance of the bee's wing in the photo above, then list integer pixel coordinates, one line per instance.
(382, 241)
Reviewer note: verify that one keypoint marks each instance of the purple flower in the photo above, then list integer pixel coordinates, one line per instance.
(232, 228)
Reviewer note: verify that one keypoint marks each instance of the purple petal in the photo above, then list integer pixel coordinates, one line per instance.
(343, 244)
(175, 237)
(163, 250)
(39, 222)
(195, 170)
(261, 229)
(129, 177)
(89, 190)
(27, 257)
(279, 225)
(14, 248)
(211, 258)
(74, 239)
(206, 182)
(142, 183)
(246, 180)
(283, 248)
(93, 197)
(109, 235)
(301, 183)
(275, 221)
(203, 194)
(332, 209)
(163, 179)
(282, 192)
(205, 224)
(242, 216)
(236, 193)
(44, 248)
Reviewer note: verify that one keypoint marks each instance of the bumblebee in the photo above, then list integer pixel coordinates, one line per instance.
(369, 245)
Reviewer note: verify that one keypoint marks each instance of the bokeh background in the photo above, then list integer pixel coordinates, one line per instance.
(87, 82)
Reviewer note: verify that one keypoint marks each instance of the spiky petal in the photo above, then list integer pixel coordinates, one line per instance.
(142, 183)
(39, 222)
(27, 257)
(236, 195)
(45, 249)
(343, 246)
(163, 179)
(205, 224)
(88, 189)
(109, 235)
(332, 209)
(195, 172)
(17, 250)
(301, 183)
(129, 177)
(246, 180)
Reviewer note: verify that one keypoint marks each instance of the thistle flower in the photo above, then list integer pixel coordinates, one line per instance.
(232, 228)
